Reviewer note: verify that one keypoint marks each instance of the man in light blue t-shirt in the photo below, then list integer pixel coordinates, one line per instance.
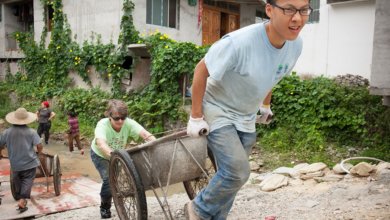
(239, 72)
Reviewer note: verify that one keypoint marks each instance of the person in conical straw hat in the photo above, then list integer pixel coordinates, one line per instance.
(20, 141)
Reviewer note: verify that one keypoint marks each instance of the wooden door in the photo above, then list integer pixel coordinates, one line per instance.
(233, 23)
(211, 26)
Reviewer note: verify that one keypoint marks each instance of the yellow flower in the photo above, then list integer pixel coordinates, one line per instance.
(139, 42)
(197, 47)
(71, 51)
(109, 75)
(166, 47)
(161, 38)
(17, 35)
(166, 35)
(58, 47)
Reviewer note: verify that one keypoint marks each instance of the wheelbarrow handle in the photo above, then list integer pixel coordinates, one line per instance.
(158, 141)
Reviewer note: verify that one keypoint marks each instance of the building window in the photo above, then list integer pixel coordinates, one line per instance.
(315, 15)
(162, 12)
(49, 17)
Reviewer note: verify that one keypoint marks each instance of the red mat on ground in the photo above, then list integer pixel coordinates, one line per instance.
(77, 191)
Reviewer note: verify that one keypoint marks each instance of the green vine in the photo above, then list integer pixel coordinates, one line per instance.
(161, 99)
(50, 66)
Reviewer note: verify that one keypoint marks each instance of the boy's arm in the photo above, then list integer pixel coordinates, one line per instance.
(198, 89)
(267, 100)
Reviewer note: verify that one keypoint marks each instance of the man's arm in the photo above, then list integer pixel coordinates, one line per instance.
(39, 148)
(267, 100)
(198, 89)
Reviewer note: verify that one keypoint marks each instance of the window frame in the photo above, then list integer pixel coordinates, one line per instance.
(314, 17)
(167, 14)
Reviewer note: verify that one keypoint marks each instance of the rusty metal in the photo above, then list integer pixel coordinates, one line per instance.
(157, 164)
(49, 166)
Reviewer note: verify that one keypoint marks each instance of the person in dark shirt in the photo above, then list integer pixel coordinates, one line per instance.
(44, 117)
(20, 141)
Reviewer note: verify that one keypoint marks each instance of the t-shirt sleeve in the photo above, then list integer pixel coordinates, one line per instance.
(135, 128)
(220, 58)
(297, 47)
(35, 137)
(100, 131)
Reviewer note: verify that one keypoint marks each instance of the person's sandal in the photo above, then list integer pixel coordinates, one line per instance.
(23, 209)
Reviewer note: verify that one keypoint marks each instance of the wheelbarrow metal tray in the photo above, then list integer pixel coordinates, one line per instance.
(46, 161)
(154, 163)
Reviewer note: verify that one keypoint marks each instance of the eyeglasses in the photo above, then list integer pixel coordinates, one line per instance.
(293, 11)
(118, 118)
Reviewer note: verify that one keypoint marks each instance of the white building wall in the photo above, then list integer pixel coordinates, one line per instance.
(341, 42)
(86, 18)
(103, 17)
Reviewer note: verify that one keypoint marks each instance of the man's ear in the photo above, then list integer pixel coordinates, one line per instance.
(268, 10)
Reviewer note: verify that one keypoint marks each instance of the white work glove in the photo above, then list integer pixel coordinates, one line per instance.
(265, 116)
(197, 127)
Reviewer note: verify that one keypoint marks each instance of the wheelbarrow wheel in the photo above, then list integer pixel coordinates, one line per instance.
(57, 175)
(12, 183)
(126, 186)
(193, 187)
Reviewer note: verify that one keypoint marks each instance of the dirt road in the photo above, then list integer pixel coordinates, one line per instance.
(349, 199)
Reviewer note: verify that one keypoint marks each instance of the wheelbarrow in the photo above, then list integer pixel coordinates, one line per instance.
(157, 164)
(49, 167)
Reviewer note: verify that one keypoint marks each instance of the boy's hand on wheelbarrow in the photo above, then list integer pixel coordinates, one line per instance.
(265, 116)
(197, 127)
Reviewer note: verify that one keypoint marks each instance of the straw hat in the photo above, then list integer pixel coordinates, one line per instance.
(20, 117)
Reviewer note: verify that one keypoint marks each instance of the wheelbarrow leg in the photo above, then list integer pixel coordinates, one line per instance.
(46, 176)
(162, 205)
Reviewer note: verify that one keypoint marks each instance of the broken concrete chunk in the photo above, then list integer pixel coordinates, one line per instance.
(273, 182)
(314, 167)
(362, 169)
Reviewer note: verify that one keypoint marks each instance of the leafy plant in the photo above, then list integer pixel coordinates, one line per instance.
(310, 114)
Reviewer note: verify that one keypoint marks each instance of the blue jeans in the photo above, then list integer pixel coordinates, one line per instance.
(102, 166)
(231, 149)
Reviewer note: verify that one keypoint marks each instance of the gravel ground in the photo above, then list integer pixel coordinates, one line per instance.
(352, 198)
